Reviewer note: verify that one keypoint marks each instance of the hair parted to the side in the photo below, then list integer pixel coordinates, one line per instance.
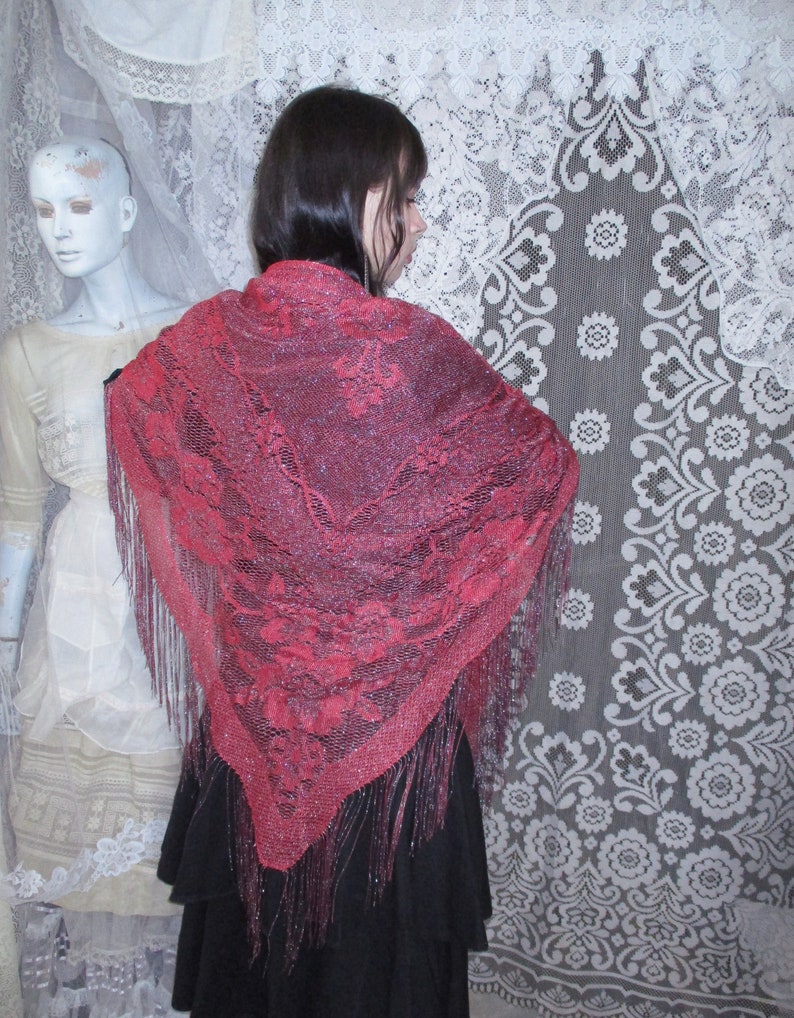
(327, 149)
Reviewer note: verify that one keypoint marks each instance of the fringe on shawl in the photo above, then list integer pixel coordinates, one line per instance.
(495, 683)
(490, 689)
(310, 886)
(503, 671)
(162, 641)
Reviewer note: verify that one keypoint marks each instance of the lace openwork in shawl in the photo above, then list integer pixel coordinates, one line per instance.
(342, 530)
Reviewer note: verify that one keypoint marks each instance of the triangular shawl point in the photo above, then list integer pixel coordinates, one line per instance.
(336, 550)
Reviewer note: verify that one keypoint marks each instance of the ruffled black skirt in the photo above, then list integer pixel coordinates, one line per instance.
(404, 956)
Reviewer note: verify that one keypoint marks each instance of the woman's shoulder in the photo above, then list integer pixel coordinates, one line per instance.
(419, 317)
(180, 336)
(434, 331)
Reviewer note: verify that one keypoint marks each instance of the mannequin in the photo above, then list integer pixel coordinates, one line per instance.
(84, 213)
(97, 762)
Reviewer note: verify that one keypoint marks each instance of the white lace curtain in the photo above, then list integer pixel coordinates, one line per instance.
(489, 83)
(610, 209)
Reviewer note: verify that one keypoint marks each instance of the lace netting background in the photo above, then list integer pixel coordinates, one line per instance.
(610, 223)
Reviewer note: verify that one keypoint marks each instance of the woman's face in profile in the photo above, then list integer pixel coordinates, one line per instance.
(80, 214)
(377, 233)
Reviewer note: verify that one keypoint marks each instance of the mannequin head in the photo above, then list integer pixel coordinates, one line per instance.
(80, 189)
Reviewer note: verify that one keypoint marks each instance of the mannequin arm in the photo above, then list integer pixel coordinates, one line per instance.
(16, 561)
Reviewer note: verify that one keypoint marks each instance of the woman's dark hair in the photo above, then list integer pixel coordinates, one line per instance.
(326, 150)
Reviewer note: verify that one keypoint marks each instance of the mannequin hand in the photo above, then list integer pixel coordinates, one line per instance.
(9, 716)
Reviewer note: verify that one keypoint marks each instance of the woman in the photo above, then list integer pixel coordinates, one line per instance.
(349, 519)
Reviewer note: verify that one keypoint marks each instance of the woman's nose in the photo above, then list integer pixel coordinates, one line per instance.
(418, 225)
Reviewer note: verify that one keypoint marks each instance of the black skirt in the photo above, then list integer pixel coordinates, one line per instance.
(406, 956)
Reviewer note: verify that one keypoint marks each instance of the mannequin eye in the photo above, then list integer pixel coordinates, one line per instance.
(43, 210)
(81, 206)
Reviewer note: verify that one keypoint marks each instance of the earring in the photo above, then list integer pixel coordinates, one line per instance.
(366, 273)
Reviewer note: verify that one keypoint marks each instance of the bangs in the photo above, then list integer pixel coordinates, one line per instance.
(413, 158)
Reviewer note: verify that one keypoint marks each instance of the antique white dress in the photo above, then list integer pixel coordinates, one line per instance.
(97, 764)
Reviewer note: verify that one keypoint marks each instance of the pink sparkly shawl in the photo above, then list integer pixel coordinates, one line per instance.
(339, 523)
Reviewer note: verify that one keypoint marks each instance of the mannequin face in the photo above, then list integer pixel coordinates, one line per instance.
(84, 212)
(377, 237)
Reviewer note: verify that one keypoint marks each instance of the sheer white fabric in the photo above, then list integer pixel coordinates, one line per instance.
(185, 52)
(615, 235)
(80, 656)
(96, 764)
(723, 75)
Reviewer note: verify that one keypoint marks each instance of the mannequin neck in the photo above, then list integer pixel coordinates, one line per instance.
(115, 299)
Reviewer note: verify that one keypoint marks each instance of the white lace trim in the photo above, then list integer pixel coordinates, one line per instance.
(134, 843)
(196, 53)
(722, 75)
(407, 41)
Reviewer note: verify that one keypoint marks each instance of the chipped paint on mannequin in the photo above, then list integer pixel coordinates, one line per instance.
(80, 190)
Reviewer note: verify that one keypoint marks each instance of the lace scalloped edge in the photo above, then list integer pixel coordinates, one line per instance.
(135, 843)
